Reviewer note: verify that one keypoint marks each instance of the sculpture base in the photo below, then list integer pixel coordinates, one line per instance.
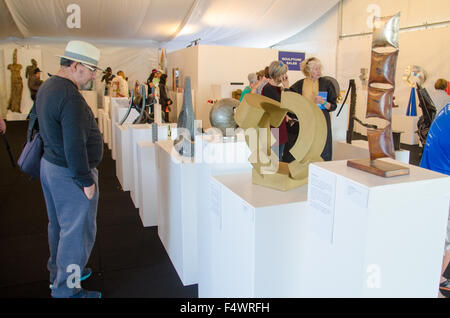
(378, 167)
(279, 181)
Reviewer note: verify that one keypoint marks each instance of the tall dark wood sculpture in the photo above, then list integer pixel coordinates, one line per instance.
(384, 56)
(16, 85)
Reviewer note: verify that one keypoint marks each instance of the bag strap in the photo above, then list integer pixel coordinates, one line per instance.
(33, 124)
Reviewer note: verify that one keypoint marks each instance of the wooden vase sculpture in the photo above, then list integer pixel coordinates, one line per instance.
(381, 87)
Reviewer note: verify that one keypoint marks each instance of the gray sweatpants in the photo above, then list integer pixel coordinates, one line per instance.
(72, 226)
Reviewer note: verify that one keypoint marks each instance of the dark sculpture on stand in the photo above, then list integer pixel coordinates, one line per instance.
(108, 76)
(142, 105)
(184, 143)
(351, 114)
(29, 72)
(16, 85)
(380, 98)
(428, 114)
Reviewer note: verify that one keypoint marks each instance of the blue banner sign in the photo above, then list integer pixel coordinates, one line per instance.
(291, 59)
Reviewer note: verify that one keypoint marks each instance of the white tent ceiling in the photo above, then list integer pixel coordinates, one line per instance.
(162, 23)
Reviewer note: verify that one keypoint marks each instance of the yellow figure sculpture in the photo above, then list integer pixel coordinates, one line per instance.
(16, 85)
(256, 113)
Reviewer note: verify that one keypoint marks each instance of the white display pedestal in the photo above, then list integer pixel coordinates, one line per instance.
(177, 215)
(147, 197)
(214, 156)
(407, 125)
(339, 124)
(123, 155)
(106, 105)
(359, 149)
(91, 99)
(257, 239)
(100, 120)
(368, 235)
(108, 134)
(138, 132)
(119, 107)
(147, 172)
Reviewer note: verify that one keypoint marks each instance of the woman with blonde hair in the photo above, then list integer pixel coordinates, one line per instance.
(320, 91)
(278, 75)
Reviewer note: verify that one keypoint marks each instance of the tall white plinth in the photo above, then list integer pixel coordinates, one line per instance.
(101, 113)
(119, 107)
(106, 105)
(91, 99)
(123, 155)
(257, 239)
(131, 117)
(213, 156)
(108, 134)
(177, 214)
(368, 235)
(138, 132)
(147, 173)
(339, 124)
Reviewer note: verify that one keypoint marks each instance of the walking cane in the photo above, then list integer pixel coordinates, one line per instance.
(8, 148)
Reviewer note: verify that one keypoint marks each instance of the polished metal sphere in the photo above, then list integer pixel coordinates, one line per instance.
(221, 115)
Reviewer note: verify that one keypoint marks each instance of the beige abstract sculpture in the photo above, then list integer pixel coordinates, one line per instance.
(256, 113)
(16, 85)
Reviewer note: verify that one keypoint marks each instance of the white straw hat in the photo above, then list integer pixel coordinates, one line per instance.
(83, 52)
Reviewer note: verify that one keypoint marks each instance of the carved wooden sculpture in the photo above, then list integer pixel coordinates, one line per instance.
(380, 98)
(16, 85)
(256, 113)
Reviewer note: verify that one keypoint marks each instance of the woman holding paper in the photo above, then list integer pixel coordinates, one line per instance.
(320, 91)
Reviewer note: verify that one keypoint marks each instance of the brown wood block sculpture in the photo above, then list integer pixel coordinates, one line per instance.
(384, 56)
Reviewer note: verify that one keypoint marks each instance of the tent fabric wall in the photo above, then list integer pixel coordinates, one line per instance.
(320, 39)
(425, 47)
(136, 62)
(172, 24)
(357, 13)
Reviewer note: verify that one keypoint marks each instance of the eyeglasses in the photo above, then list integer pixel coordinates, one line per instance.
(92, 69)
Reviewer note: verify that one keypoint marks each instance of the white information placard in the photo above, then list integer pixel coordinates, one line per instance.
(321, 197)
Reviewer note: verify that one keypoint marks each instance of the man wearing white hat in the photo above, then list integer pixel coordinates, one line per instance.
(73, 148)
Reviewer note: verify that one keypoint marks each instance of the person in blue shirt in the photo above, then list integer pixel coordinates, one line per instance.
(436, 157)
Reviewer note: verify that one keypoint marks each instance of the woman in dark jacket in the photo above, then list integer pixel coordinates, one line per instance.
(310, 87)
(278, 75)
(164, 100)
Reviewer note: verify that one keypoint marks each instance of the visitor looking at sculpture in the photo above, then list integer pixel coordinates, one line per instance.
(120, 85)
(69, 177)
(320, 91)
(252, 82)
(278, 75)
